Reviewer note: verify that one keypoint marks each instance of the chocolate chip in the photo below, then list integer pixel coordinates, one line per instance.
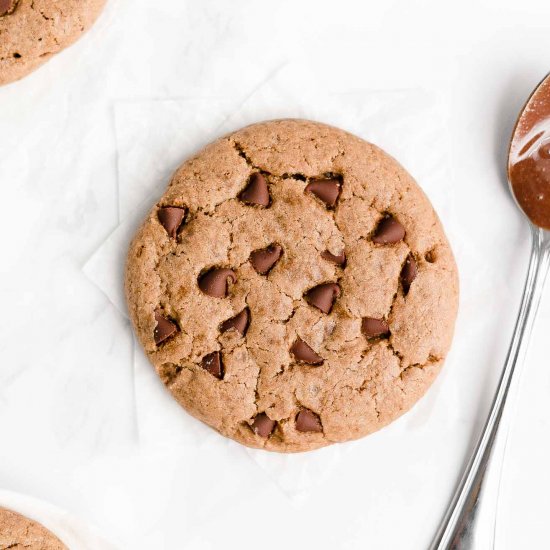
(264, 259)
(338, 259)
(408, 273)
(171, 218)
(304, 353)
(7, 6)
(256, 192)
(323, 296)
(165, 328)
(389, 231)
(263, 425)
(215, 281)
(325, 189)
(239, 322)
(374, 328)
(213, 364)
(308, 421)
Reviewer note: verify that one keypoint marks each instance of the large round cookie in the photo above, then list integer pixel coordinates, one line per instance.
(17, 531)
(293, 287)
(31, 31)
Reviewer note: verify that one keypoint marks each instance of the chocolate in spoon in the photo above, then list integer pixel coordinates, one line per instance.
(529, 179)
(529, 158)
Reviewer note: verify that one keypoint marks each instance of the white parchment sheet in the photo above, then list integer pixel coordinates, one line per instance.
(154, 137)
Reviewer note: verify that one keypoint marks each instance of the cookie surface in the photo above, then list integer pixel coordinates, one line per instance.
(293, 287)
(31, 31)
(19, 532)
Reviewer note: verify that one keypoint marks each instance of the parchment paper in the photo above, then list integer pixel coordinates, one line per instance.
(154, 137)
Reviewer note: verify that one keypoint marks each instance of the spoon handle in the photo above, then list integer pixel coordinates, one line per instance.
(458, 528)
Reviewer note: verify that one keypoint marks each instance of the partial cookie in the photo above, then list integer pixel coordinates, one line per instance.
(293, 287)
(31, 31)
(19, 532)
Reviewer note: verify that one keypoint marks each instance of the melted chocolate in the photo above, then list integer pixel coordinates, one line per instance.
(529, 167)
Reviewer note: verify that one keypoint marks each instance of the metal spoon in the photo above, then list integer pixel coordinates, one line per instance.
(529, 180)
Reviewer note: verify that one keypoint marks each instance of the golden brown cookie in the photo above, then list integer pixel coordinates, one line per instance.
(293, 287)
(19, 532)
(31, 31)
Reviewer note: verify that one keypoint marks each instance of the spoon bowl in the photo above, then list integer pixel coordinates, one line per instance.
(529, 157)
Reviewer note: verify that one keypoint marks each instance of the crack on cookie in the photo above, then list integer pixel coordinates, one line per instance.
(432, 360)
(259, 364)
(390, 312)
(299, 177)
(243, 154)
(395, 353)
(340, 153)
(374, 397)
(256, 388)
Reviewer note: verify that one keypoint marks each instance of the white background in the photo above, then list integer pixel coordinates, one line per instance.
(67, 435)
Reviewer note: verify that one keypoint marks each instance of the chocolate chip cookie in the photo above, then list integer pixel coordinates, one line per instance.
(17, 531)
(31, 31)
(293, 287)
